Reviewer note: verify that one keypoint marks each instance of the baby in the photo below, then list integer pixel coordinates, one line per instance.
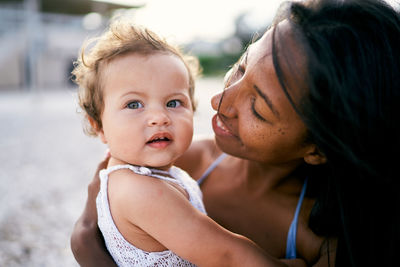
(137, 92)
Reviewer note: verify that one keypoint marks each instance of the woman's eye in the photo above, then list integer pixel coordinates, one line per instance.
(134, 105)
(253, 109)
(174, 103)
(240, 69)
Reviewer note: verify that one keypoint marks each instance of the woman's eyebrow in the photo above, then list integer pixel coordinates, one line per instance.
(267, 101)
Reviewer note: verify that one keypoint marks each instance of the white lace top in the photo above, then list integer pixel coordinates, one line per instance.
(123, 252)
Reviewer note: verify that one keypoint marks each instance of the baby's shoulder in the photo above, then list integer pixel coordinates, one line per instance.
(125, 186)
(134, 197)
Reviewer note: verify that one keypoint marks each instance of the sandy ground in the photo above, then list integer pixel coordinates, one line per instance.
(45, 166)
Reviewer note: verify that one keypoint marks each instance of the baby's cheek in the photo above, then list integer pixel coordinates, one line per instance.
(186, 132)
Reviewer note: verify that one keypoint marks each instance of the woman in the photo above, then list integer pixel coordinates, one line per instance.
(309, 120)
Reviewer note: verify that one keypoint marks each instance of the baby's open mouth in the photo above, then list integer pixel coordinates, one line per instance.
(161, 139)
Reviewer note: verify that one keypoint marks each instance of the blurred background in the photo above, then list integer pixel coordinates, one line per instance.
(41, 38)
(46, 160)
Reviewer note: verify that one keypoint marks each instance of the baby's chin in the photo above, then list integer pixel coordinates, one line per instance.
(162, 162)
(159, 166)
(154, 164)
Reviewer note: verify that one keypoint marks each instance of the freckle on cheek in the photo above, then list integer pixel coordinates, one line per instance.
(263, 136)
(282, 132)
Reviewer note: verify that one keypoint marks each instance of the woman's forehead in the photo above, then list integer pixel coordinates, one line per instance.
(261, 48)
(278, 46)
(280, 33)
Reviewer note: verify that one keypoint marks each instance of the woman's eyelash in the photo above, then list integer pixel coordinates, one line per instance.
(253, 109)
(240, 68)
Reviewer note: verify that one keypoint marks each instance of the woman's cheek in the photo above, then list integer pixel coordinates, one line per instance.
(258, 135)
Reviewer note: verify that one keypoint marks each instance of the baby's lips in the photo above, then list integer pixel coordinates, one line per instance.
(160, 136)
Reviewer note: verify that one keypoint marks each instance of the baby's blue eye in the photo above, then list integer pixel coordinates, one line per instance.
(174, 103)
(134, 105)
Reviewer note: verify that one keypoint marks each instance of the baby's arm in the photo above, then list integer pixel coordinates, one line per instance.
(164, 213)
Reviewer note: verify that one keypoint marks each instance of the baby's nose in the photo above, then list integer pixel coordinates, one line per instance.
(158, 118)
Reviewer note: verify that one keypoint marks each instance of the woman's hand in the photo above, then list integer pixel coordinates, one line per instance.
(87, 243)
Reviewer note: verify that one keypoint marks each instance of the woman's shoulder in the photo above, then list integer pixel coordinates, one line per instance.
(205, 146)
(201, 153)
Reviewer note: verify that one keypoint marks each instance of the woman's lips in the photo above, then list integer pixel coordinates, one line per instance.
(219, 127)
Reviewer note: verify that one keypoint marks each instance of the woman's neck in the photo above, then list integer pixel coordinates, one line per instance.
(263, 178)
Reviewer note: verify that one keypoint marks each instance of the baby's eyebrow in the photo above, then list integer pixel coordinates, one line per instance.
(179, 94)
(267, 100)
(134, 93)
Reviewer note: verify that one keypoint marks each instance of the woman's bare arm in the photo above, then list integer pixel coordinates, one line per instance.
(87, 243)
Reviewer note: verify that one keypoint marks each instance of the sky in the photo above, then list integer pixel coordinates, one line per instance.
(207, 20)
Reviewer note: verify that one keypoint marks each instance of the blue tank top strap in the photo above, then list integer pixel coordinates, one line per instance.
(211, 168)
(291, 252)
(291, 238)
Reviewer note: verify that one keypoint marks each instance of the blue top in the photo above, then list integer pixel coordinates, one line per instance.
(291, 238)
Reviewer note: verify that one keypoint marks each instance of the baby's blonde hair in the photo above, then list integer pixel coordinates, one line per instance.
(121, 38)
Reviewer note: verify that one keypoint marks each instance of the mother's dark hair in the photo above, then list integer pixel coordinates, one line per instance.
(351, 108)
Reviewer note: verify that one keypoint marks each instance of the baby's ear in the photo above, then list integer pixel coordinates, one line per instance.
(99, 131)
(314, 156)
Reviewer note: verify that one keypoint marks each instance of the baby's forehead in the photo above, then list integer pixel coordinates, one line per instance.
(162, 70)
(142, 57)
(167, 70)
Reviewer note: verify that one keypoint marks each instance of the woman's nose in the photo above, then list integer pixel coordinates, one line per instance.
(224, 102)
(158, 118)
(216, 100)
